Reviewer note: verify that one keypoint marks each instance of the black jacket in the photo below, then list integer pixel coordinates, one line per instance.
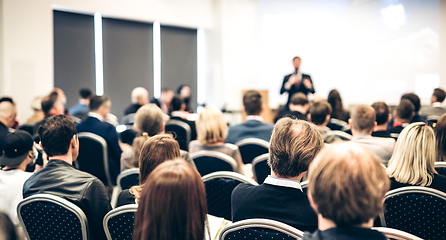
(61, 179)
(345, 234)
(295, 89)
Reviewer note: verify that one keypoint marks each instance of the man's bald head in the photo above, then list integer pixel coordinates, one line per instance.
(140, 96)
(8, 113)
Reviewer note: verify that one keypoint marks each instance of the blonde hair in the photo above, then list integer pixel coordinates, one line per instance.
(211, 126)
(149, 119)
(414, 156)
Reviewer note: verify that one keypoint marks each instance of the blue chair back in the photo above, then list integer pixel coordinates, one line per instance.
(441, 168)
(251, 148)
(128, 178)
(260, 168)
(211, 161)
(182, 132)
(119, 222)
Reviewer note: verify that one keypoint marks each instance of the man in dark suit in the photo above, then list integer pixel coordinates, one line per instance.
(296, 82)
(95, 123)
(294, 144)
(298, 107)
(254, 127)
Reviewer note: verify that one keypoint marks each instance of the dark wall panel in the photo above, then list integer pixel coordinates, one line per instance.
(128, 60)
(74, 66)
(179, 59)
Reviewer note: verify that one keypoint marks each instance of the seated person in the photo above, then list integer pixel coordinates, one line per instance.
(346, 188)
(179, 113)
(412, 163)
(184, 92)
(8, 114)
(415, 100)
(81, 110)
(403, 114)
(165, 100)
(435, 110)
(320, 116)
(294, 144)
(155, 151)
(440, 137)
(254, 126)
(140, 97)
(59, 177)
(211, 135)
(298, 107)
(383, 117)
(7, 228)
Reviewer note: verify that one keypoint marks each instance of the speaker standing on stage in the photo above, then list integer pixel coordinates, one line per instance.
(296, 82)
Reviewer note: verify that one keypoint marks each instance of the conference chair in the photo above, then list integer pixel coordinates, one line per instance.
(416, 210)
(45, 216)
(128, 178)
(182, 132)
(338, 125)
(441, 168)
(119, 222)
(213, 161)
(258, 228)
(251, 148)
(331, 136)
(260, 168)
(395, 234)
(93, 157)
(219, 186)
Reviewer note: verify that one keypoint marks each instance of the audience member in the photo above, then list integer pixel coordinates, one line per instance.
(59, 141)
(81, 110)
(19, 151)
(320, 116)
(211, 135)
(51, 105)
(7, 99)
(99, 109)
(8, 114)
(254, 126)
(164, 102)
(435, 110)
(412, 163)
(415, 100)
(440, 137)
(383, 117)
(403, 115)
(338, 111)
(362, 123)
(61, 96)
(184, 92)
(298, 107)
(7, 228)
(155, 151)
(172, 204)
(38, 115)
(346, 188)
(140, 97)
(179, 113)
(294, 144)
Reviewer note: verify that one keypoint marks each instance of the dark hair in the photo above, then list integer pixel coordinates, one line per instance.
(439, 94)
(127, 136)
(405, 109)
(440, 137)
(172, 204)
(294, 144)
(414, 99)
(299, 99)
(176, 103)
(48, 102)
(181, 88)
(252, 101)
(97, 101)
(338, 112)
(56, 133)
(319, 112)
(382, 112)
(7, 228)
(6, 99)
(85, 93)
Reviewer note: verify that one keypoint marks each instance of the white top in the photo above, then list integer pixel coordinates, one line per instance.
(96, 115)
(11, 188)
(283, 182)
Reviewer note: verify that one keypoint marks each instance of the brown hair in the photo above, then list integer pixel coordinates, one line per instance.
(439, 94)
(252, 101)
(299, 99)
(138, 142)
(294, 144)
(440, 136)
(155, 151)
(382, 112)
(172, 204)
(211, 126)
(405, 109)
(149, 119)
(319, 112)
(348, 184)
(363, 118)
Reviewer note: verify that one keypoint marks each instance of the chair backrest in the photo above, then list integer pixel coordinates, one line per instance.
(251, 148)
(336, 124)
(304, 186)
(417, 210)
(260, 168)
(338, 134)
(128, 178)
(257, 228)
(219, 186)
(441, 168)
(93, 156)
(119, 222)
(182, 132)
(213, 161)
(396, 234)
(45, 216)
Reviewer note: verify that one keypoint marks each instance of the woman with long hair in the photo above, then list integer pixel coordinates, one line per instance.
(338, 111)
(172, 204)
(412, 162)
(440, 136)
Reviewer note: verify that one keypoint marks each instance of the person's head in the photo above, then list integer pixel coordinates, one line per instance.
(61, 95)
(58, 136)
(440, 136)
(140, 96)
(52, 105)
(438, 95)
(414, 99)
(299, 102)
(166, 95)
(414, 156)
(7, 99)
(36, 104)
(172, 204)
(8, 113)
(184, 91)
(405, 111)
(252, 102)
(382, 112)
(363, 120)
(85, 93)
(100, 105)
(178, 104)
(294, 144)
(149, 119)
(320, 113)
(296, 62)
(18, 148)
(7, 228)
(347, 185)
(211, 126)
(334, 99)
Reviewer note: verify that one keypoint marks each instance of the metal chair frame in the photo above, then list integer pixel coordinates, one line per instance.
(257, 160)
(183, 125)
(126, 173)
(225, 174)
(215, 154)
(253, 141)
(115, 212)
(337, 133)
(396, 234)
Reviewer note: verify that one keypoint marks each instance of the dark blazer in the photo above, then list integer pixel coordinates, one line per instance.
(191, 124)
(250, 129)
(283, 204)
(384, 134)
(132, 108)
(350, 233)
(108, 132)
(295, 89)
(294, 114)
(438, 182)
(125, 197)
